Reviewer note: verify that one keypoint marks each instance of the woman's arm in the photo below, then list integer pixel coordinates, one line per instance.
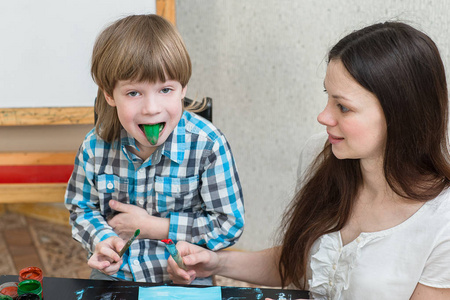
(255, 267)
(259, 268)
(424, 292)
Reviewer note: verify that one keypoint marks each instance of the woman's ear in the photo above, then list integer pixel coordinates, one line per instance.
(109, 99)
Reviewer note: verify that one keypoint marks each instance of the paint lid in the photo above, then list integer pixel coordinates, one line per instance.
(9, 289)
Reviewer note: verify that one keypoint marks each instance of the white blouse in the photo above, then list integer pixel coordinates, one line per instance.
(386, 264)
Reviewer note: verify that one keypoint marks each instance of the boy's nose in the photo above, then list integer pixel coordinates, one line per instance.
(151, 106)
(326, 117)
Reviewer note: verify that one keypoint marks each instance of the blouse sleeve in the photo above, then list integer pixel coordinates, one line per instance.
(437, 268)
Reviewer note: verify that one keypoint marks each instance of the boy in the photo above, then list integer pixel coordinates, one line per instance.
(149, 164)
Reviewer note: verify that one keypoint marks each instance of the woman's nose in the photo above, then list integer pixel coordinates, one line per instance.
(326, 117)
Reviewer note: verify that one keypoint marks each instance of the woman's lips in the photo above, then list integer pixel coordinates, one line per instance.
(334, 139)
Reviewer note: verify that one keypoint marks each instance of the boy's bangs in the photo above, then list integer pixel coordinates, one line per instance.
(152, 62)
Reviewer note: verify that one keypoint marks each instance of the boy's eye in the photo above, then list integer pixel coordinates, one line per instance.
(166, 90)
(133, 94)
(343, 108)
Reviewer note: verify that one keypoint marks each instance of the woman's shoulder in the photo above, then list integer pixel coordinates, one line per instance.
(436, 212)
(441, 204)
(311, 149)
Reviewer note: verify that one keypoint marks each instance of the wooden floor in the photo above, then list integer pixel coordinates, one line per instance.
(27, 241)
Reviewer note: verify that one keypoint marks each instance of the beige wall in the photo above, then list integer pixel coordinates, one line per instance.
(262, 61)
(263, 64)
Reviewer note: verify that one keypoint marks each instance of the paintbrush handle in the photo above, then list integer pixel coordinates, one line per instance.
(128, 244)
(175, 255)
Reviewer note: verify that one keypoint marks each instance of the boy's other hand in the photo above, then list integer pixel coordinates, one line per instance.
(132, 217)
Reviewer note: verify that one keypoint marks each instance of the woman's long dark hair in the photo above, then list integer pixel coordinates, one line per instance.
(402, 67)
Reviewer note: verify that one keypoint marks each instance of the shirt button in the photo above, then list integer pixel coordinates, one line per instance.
(331, 283)
(110, 185)
(334, 266)
(141, 202)
(136, 262)
(358, 240)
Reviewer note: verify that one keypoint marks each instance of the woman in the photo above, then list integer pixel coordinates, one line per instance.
(372, 219)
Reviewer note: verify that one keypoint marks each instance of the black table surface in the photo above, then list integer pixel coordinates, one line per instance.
(55, 288)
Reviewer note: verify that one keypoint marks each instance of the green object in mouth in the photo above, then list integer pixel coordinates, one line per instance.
(152, 132)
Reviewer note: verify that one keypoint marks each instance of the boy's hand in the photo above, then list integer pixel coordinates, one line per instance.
(132, 217)
(199, 261)
(105, 257)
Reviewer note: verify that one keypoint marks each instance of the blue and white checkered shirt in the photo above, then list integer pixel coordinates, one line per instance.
(191, 179)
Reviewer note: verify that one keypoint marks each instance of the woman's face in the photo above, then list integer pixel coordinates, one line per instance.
(355, 121)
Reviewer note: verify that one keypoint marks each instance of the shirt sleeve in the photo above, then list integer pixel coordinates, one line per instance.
(437, 271)
(221, 221)
(89, 227)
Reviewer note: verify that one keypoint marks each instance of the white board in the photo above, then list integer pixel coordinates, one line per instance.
(46, 47)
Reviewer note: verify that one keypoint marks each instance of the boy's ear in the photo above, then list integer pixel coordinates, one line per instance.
(109, 99)
(183, 92)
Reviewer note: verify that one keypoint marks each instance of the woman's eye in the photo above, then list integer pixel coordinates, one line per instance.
(343, 108)
(166, 90)
(133, 94)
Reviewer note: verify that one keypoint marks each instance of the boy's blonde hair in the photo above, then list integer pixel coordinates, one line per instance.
(137, 48)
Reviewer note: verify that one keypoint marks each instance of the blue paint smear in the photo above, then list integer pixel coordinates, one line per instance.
(79, 294)
(117, 292)
(179, 293)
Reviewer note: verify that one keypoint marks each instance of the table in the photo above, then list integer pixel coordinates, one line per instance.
(55, 288)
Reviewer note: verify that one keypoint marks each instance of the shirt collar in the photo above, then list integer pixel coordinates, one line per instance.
(175, 144)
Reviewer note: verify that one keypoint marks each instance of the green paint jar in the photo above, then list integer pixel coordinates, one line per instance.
(5, 297)
(30, 286)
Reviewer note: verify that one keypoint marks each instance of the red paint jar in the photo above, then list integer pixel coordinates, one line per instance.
(9, 289)
(31, 273)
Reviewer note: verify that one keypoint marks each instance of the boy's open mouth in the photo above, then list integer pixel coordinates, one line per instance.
(152, 131)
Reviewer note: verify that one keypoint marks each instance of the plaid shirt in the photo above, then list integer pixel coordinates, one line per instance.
(191, 179)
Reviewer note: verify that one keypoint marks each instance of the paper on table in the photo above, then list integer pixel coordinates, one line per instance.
(178, 293)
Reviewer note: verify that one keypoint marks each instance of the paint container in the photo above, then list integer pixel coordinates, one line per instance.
(28, 297)
(30, 286)
(31, 273)
(9, 289)
(6, 297)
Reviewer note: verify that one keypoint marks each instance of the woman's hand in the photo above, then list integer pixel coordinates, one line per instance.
(105, 257)
(200, 262)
